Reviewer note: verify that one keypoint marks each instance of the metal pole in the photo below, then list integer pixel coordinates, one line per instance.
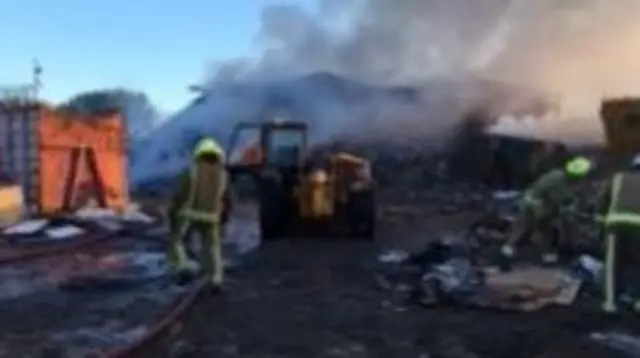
(37, 83)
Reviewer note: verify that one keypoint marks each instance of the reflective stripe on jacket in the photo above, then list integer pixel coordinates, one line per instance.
(624, 206)
(203, 190)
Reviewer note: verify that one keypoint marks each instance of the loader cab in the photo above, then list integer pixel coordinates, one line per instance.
(272, 155)
(299, 194)
(284, 146)
(268, 145)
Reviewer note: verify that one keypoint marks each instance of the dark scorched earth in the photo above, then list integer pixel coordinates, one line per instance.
(312, 298)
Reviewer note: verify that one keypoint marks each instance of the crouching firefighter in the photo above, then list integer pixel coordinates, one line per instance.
(201, 203)
(541, 209)
(620, 219)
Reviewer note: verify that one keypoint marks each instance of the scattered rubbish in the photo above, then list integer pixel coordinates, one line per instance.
(449, 274)
(441, 251)
(26, 227)
(394, 256)
(453, 276)
(64, 232)
(621, 342)
(505, 195)
(587, 268)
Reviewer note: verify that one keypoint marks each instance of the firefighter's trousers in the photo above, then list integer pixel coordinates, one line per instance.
(622, 261)
(543, 228)
(211, 248)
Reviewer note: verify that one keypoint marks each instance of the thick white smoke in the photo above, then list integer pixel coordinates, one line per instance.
(579, 50)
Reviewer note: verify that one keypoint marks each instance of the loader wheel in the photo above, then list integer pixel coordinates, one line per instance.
(271, 210)
(361, 215)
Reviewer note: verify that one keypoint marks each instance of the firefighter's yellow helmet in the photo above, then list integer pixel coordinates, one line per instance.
(578, 167)
(208, 146)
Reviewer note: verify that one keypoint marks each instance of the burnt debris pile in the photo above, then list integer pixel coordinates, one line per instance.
(469, 155)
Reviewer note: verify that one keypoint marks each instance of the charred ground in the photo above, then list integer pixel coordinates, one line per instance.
(311, 298)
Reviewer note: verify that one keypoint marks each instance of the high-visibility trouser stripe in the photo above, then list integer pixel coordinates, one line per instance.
(622, 219)
(204, 216)
(609, 304)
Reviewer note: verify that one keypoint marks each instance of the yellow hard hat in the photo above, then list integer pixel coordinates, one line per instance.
(578, 167)
(208, 146)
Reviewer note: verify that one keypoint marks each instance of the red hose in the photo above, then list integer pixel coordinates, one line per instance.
(160, 325)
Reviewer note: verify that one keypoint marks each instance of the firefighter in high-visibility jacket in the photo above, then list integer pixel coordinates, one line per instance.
(201, 203)
(620, 219)
(540, 208)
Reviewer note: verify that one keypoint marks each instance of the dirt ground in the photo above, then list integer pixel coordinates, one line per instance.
(45, 313)
(309, 298)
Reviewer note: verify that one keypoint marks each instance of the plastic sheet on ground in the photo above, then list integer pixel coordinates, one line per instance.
(522, 289)
(448, 275)
(528, 289)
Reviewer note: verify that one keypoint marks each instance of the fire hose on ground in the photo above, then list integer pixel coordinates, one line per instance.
(159, 326)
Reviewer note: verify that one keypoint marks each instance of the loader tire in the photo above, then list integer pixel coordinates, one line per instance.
(361, 215)
(272, 220)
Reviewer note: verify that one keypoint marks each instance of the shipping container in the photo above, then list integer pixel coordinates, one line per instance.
(37, 146)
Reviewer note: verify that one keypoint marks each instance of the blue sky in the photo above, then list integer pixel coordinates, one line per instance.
(158, 46)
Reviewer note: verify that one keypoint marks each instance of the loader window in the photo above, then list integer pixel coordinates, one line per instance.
(246, 147)
(284, 147)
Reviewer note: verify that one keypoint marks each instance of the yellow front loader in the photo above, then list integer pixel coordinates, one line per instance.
(298, 195)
